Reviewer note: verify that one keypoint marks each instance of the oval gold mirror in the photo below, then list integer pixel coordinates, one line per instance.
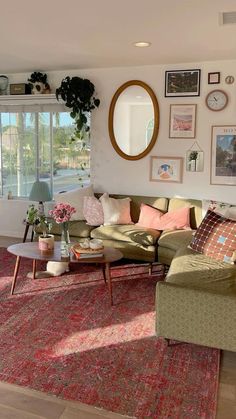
(133, 120)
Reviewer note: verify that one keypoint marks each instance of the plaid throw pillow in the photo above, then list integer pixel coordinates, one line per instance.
(216, 237)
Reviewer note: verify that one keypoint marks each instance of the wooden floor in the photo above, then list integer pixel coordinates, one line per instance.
(20, 403)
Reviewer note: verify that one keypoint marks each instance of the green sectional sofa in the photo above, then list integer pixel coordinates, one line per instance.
(134, 242)
(197, 301)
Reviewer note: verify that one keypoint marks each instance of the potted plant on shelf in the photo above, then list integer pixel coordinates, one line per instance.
(78, 95)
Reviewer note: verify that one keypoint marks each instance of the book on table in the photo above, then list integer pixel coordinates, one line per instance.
(81, 253)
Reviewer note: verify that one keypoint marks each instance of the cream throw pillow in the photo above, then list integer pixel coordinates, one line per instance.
(116, 211)
(76, 199)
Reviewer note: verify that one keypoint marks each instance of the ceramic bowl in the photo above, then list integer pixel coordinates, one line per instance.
(96, 244)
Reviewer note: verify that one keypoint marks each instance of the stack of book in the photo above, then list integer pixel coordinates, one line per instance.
(81, 253)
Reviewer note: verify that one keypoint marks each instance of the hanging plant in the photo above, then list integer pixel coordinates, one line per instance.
(78, 95)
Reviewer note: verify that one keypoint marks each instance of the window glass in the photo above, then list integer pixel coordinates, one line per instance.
(17, 153)
(37, 145)
(71, 164)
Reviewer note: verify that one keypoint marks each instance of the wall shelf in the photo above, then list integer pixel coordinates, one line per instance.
(29, 99)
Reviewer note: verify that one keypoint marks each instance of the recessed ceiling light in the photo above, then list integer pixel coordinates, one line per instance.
(142, 44)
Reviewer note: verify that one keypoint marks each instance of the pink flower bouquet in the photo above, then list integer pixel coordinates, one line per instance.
(62, 213)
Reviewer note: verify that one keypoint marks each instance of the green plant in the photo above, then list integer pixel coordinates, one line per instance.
(78, 95)
(193, 155)
(38, 221)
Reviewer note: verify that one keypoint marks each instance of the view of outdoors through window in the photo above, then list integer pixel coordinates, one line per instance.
(37, 145)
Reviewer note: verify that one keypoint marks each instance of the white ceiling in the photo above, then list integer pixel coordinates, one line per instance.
(74, 34)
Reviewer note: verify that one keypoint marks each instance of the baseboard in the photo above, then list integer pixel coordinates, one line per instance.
(9, 233)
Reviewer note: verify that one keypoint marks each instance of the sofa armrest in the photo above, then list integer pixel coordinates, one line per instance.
(197, 316)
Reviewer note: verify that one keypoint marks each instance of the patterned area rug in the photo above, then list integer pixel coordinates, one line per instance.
(64, 338)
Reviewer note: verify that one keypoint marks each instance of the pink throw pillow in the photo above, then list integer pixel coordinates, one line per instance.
(93, 212)
(153, 218)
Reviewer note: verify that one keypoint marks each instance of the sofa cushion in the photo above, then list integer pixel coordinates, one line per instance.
(76, 229)
(75, 198)
(195, 270)
(93, 211)
(195, 209)
(172, 220)
(115, 211)
(175, 239)
(216, 237)
(127, 233)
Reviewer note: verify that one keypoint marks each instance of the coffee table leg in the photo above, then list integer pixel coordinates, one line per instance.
(108, 277)
(17, 265)
(34, 268)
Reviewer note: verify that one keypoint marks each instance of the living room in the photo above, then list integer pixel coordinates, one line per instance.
(197, 41)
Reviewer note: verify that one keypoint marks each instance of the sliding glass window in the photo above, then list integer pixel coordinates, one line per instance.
(37, 145)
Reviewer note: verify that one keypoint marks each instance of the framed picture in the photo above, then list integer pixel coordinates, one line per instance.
(180, 83)
(166, 169)
(194, 160)
(182, 121)
(214, 78)
(223, 155)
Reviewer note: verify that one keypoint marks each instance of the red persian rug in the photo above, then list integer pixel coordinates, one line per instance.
(64, 338)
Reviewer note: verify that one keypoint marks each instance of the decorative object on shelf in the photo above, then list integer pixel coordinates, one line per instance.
(166, 169)
(194, 158)
(3, 85)
(20, 89)
(62, 214)
(78, 95)
(38, 83)
(223, 155)
(134, 136)
(214, 78)
(40, 193)
(217, 100)
(182, 83)
(182, 122)
(229, 79)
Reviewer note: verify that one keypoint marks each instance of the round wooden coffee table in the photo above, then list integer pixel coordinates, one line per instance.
(31, 251)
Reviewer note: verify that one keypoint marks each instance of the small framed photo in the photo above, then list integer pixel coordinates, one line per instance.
(223, 155)
(180, 83)
(182, 121)
(166, 169)
(214, 78)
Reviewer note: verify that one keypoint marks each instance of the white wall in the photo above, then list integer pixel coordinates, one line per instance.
(110, 172)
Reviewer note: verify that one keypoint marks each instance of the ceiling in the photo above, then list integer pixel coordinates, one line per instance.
(58, 35)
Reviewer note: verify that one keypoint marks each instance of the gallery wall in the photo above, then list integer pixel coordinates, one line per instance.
(112, 173)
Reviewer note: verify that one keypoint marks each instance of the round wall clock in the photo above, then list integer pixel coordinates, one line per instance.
(217, 100)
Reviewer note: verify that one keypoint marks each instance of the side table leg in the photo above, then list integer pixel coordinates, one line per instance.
(17, 265)
(104, 273)
(108, 277)
(34, 268)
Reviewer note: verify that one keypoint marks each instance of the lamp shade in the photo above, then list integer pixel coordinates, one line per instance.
(40, 192)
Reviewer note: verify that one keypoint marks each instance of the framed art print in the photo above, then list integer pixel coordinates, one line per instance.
(182, 121)
(223, 155)
(214, 78)
(180, 83)
(166, 169)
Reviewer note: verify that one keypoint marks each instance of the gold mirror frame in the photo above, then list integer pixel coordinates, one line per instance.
(156, 119)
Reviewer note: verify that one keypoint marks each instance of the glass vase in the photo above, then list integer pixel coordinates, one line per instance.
(65, 240)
